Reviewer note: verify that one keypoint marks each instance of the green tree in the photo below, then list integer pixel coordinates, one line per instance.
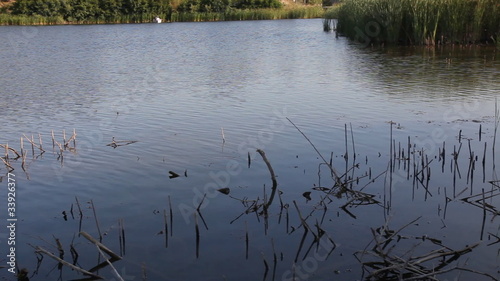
(83, 10)
(110, 10)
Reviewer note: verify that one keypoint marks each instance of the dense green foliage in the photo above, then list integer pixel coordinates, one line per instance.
(125, 11)
(416, 22)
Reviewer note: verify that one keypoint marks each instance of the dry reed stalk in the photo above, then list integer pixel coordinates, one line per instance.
(121, 237)
(96, 220)
(223, 137)
(7, 164)
(9, 148)
(197, 232)
(53, 139)
(166, 227)
(110, 264)
(171, 217)
(334, 172)
(63, 262)
(33, 144)
(40, 140)
(273, 178)
(100, 245)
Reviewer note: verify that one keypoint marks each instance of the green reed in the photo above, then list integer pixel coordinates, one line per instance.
(251, 14)
(418, 22)
(7, 19)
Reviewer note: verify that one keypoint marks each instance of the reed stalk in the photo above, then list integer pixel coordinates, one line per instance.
(420, 22)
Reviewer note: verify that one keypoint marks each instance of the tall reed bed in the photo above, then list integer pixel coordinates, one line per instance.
(418, 22)
(252, 14)
(8, 19)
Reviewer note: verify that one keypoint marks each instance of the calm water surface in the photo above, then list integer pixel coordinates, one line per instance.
(175, 87)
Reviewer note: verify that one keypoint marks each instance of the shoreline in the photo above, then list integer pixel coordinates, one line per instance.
(296, 12)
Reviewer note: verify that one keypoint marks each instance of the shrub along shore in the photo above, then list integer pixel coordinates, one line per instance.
(32, 12)
(419, 22)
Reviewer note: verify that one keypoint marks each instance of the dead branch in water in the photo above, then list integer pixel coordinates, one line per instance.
(116, 143)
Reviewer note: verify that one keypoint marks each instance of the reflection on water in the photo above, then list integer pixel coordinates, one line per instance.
(172, 87)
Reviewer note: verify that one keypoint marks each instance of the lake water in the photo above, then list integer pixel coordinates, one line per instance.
(199, 99)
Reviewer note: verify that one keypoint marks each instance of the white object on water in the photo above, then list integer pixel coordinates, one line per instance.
(157, 20)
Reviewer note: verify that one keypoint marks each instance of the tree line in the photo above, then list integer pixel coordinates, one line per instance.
(111, 10)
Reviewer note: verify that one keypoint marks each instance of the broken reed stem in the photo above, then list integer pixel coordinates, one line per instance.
(484, 214)
(7, 164)
(96, 221)
(197, 231)
(53, 139)
(171, 217)
(166, 227)
(273, 177)
(33, 144)
(61, 261)
(100, 245)
(337, 178)
(121, 237)
(8, 148)
(110, 264)
(223, 137)
(40, 140)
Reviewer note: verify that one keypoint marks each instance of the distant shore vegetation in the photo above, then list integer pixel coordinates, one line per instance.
(46, 12)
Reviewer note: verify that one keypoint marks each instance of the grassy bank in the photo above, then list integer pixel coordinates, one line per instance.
(287, 12)
(419, 22)
(257, 14)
